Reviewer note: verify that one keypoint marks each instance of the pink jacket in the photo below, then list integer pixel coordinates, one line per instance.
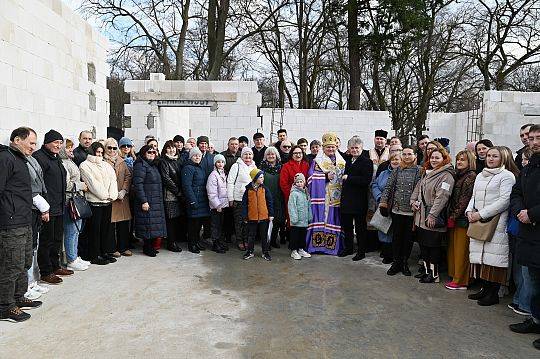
(216, 187)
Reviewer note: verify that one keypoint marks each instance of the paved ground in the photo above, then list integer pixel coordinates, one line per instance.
(219, 306)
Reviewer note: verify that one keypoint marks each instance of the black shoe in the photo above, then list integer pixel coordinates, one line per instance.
(429, 278)
(267, 257)
(216, 248)
(15, 315)
(387, 260)
(406, 271)
(110, 258)
(528, 326)
(200, 246)
(193, 249)
(150, 252)
(478, 295)
(174, 247)
(248, 255)
(223, 246)
(228, 240)
(25, 303)
(536, 344)
(394, 269)
(345, 253)
(359, 257)
(100, 261)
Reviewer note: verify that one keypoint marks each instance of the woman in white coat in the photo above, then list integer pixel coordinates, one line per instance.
(100, 178)
(237, 180)
(491, 196)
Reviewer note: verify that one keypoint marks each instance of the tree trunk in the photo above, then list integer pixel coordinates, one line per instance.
(217, 58)
(353, 102)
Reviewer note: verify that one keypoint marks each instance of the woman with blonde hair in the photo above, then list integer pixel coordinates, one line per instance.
(121, 212)
(458, 242)
(490, 202)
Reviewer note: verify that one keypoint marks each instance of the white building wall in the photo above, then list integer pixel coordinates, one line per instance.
(44, 51)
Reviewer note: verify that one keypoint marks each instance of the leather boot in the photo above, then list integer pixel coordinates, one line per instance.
(216, 248)
(405, 268)
(148, 249)
(491, 297)
(432, 274)
(173, 247)
(395, 268)
(422, 270)
(482, 292)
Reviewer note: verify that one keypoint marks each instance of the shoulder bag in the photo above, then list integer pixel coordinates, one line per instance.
(484, 229)
(380, 222)
(79, 207)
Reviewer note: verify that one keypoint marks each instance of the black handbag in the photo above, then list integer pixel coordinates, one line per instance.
(79, 207)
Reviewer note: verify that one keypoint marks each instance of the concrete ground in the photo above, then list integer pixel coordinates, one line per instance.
(220, 306)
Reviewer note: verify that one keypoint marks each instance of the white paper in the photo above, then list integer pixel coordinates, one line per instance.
(270, 226)
(445, 186)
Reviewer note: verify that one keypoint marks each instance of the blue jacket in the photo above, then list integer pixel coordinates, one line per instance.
(207, 164)
(194, 188)
(299, 208)
(378, 185)
(146, 185)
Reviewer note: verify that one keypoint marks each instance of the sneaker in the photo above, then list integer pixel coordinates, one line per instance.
(304, 254)
(295, 255)
(248, 255)
(528, 326)
(40, 288)
(518, 310)
(25, 303)
(454, 286)
(32, 294)
(266, 256)
(15, 315)
(80, 260)
(76, 266)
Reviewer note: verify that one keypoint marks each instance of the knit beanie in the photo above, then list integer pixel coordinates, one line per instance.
(246, 150)
(202, 139)
(178, 138)
(299, 176)
(52, 136)
(219, 157)
(243, 139)
(124, 141)
(194, 151)
(255, 174)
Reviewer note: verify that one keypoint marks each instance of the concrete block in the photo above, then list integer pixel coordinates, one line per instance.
(492, 96)
(157, 76)
(245, 86)
(507, 96)
(133, 86)
(178, 86)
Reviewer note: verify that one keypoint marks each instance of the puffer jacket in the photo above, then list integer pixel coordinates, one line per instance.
(379, 183)
(121, 210)
(399, 188)
(238, 179)
(526, 195)
(299, 208)
(194, 187)
(100, 178)
(216, 187)
(146, 185)
(257, 204)
(491, 196)
(73, 179)
(436, 186)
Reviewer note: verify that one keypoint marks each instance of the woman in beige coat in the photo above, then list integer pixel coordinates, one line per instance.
(429, 202)
(121, 213)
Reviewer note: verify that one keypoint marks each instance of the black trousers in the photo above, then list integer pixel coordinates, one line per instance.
(207, 227)
(98, 229)
(239, 225)
(182, 235)
(360, 227)
(15, 260)
(259, 229)
(297, 239)
(402, 239)
(120, 233)
(50, 245)
(194, 229)
(216, 219)
(228, 222)
(430, 254)
(173, 230)
(36, 227)
(276, 228)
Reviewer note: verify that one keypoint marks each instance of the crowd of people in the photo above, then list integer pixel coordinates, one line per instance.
(65, 208)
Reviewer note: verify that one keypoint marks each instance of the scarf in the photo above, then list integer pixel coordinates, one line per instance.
(268, 168)
(174, 158)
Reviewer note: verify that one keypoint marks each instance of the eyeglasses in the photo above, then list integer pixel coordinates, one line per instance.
(297, 153)
(286, 146)
(124, 146)
(152, 152)
(112, 148)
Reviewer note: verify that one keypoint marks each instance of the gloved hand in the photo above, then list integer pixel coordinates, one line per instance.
(121, 194)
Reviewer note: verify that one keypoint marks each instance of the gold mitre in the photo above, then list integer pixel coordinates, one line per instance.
(329, 139)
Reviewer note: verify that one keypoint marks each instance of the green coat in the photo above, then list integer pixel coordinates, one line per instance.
(299, 208)
(271, 180)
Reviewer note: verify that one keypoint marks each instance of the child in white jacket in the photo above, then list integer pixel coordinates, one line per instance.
(216, 187)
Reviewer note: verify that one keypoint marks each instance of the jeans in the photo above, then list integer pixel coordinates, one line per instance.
(15, 261)
(522, 296)
(71, 236)
(534, 274)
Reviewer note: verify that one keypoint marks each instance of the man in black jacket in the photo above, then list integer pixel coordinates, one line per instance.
(52, 232)
(354, 199)
(83, 150)
(258, 149)
(231, 154)
(524, 137)
(16, 225)
(525, 205)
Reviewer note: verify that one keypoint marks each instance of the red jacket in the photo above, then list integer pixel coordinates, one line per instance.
(286, 176)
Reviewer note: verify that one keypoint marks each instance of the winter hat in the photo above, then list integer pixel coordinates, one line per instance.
(246, 150)
(52, 136)
(381, 133)
(124, 141)
(299, 176)
(194, 151)
(219, 157)
(202, 139)
(178, 138)
(243, 139)
(255, 174)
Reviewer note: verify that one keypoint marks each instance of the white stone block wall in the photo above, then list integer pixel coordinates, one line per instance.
(44, 51)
